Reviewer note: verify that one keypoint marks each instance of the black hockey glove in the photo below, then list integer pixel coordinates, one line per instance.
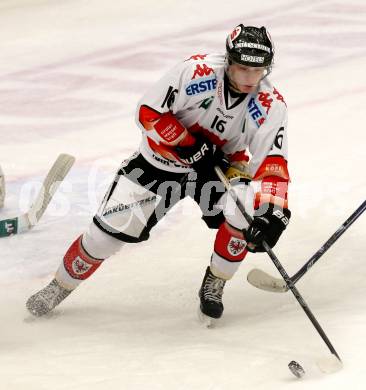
(267, 225)
(199, 155)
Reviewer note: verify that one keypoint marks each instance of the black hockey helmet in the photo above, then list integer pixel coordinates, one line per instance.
(251, 46)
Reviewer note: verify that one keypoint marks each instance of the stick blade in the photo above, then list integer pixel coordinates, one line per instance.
(264, 281)
(329, 364)
(55, 176)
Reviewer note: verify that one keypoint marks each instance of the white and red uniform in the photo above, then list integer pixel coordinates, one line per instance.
(193, 98)
(196, 93)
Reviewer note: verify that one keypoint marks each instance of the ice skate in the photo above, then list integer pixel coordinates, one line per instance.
(47, 299)
(210, 294)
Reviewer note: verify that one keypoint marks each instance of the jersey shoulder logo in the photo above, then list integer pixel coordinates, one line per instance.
(202, 71)
(203, 80)
(279, 96)
(197, 57)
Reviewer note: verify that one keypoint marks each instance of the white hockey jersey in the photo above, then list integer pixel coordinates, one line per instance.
(196, 92)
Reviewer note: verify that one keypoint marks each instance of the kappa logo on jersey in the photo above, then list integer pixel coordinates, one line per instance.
(201, 71)
(236, 246)
(265, 101)
(279, 96)
(196, 87)
(255, 112)
(197, 57)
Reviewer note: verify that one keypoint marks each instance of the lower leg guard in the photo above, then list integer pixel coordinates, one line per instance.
(77, 266)
(85, 256)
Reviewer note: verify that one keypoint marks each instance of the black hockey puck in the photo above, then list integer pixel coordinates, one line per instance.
(296, 369)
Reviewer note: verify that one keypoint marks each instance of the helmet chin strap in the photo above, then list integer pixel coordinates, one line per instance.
(268, 70)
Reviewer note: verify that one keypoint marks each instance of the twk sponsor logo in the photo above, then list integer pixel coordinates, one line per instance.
(236, 246)
(10, 227)
(255, 112)
(123, 207)
(203, 85)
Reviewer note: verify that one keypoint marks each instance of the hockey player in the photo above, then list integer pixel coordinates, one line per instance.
(209, 109)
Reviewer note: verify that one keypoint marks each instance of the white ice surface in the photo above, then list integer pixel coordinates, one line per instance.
(71, 73)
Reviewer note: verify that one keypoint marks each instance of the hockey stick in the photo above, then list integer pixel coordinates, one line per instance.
(26, 221)
(325, 365)
(264, 281)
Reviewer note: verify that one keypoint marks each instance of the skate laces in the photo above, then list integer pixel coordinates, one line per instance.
(213, 288)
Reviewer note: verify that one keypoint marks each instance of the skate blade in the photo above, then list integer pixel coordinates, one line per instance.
(206, 321)
(30, 318)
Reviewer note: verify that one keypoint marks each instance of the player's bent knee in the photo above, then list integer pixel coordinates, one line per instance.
(143, 234)
(232, 214)
(214, 221)
(99, 244)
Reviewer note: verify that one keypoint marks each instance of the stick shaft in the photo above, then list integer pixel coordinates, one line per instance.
(279, 267)
(316, 256)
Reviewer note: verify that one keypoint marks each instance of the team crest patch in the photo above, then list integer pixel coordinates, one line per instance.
(80, 267)
(236, 246)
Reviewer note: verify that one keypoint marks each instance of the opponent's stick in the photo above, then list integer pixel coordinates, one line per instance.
(264, 281)
(26, 221)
